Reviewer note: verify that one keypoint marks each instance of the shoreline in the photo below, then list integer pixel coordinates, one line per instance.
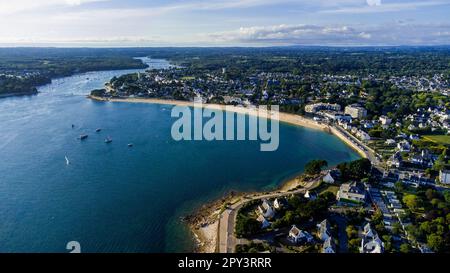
(283, 117)
(204, 223)
(19, 94)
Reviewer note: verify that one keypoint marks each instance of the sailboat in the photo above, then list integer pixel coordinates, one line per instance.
(67, 161)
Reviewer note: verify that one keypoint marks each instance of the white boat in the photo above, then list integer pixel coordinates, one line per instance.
(67, 161)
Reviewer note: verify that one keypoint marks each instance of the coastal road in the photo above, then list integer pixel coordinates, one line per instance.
(227, 241)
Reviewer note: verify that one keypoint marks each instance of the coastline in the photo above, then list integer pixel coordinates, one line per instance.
(283, 117)
(19, 94)
(204, 223)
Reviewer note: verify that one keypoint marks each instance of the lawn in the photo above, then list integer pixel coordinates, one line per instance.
(439, 139)
(333, 189)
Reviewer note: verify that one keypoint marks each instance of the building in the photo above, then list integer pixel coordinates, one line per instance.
(263, 221)
(316, 107)
(279, 203)
(356, 111)
(404, 146)
(311, 195)
(444, 177)
(395, 160)
(266, 210)
(363, 135)
(299, 236)
(351, 192)
(331, 176)
(385, 120)
(370, 242)
(329, 246)
(324, 230)
(328, 179)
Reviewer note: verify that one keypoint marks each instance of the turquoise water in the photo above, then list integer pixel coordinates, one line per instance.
(112, 198)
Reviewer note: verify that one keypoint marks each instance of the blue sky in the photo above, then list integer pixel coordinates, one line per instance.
(224, 22)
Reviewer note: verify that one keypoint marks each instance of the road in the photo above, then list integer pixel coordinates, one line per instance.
(227, 241)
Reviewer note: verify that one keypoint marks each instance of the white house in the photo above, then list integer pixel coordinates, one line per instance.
(263, 221)
(444, 177)
(370, 242)
(395, 160)
(266, 209)
(385, 120)
(330, 177)
(356, 111)
(363, 135)
(279, 203)
(297, 236)
(310, 195)
(390, 142)
(404, 146)
(351, 192)
(324, 230)
(329, 246)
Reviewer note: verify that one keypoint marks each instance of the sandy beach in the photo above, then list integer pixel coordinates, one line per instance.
(283, 117)
(204, 223)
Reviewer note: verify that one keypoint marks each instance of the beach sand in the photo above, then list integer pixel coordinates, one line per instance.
(283, 117)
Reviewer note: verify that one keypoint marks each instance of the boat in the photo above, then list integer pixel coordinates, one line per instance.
(108, 140)
(67, 161)
(83, 137)
(130, 145)
(98, 130)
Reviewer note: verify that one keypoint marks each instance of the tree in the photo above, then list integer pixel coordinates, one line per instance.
(355, 170)
(405, 248)
(315, 166)
(396, 228)
(354, 244)
(399, 186)
(351, 231)
(430, 194)
(246, 226)
(387, 243)
(447, 196)
(412, 201)
(435, 242)
(360, 168)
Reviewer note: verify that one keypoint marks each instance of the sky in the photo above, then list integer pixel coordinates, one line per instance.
(114, 23)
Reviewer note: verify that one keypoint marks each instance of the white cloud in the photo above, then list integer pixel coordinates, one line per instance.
(376, 6)
(374, 2)
(15, 6)
(389, 34)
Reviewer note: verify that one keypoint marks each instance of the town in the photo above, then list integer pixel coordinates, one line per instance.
(395, 199)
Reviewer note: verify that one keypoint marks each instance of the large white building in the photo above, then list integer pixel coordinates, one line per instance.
(352, 192)
(444, 177)
(266, 210)
(356, 111)
(370, 242)
(316, 107)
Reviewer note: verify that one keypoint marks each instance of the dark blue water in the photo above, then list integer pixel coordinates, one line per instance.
(112, 198)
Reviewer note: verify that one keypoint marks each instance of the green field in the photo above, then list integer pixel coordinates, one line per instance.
(439, 139)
